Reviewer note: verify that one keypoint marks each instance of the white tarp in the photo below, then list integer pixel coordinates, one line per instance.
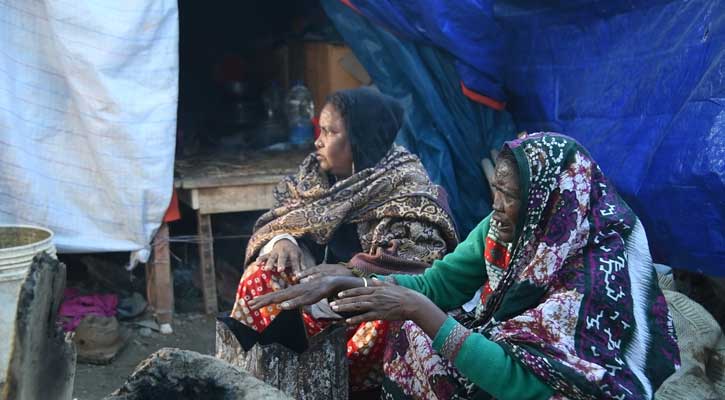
(88, 100)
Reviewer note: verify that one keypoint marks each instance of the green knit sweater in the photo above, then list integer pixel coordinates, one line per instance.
(453, 281)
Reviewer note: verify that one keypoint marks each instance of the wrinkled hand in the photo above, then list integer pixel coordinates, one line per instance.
(323, 270)
(284, 254)
(380, 301)
(297, 295)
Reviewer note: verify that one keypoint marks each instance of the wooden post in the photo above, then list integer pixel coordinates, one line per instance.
(206, 256)
(320, 372)
(159, 280)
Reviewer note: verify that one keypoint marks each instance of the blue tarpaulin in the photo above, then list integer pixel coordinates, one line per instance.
(640, 84)
(450, 133)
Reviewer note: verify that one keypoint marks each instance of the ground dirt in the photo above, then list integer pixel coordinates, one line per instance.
(191, 332)
(105, 273)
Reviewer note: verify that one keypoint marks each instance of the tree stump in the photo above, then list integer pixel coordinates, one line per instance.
(173, 374)
(320, 372)
(42, 362)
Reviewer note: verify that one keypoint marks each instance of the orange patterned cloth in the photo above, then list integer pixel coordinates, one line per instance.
(256, 282)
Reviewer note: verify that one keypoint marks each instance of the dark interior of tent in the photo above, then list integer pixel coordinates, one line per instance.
(233, 58)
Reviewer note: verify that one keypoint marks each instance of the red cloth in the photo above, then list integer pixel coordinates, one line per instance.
(498, 255)
(173, 213)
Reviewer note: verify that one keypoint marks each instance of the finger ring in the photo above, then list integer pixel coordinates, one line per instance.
(365, 281)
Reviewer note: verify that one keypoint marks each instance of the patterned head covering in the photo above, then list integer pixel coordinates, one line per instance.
(578, 302)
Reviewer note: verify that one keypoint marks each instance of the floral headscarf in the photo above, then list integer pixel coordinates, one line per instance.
(579, 303)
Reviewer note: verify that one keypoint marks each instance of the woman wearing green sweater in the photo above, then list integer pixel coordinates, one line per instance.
(567, 300)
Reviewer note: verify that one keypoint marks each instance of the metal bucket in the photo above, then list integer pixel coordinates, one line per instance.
(18, 245)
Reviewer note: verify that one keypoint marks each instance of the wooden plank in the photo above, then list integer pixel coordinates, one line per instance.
(206, 255)
(222, 181)
(189, 197)
(236, 198)
(246, 169)
(159, 280)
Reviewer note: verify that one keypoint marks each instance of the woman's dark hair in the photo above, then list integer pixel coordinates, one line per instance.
(372, 120)
(339, 101)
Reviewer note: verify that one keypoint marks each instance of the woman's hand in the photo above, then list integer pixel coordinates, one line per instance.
(306, 293)
(380, 301)
(296, 295)
(323, 270)
(284, 254)
(392, 303)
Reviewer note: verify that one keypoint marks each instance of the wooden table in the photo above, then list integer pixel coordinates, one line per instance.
(222, 185)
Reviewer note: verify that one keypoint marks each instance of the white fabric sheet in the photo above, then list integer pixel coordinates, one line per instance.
(88, 100)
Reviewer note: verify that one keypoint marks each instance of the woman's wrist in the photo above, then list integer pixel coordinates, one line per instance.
(428, 316)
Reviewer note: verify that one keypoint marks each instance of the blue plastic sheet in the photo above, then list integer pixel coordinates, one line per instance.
(640, 84)
(643, 88)
(458, 26)
(447, 131)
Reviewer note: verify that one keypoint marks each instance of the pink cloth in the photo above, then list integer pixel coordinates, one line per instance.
(75, 307)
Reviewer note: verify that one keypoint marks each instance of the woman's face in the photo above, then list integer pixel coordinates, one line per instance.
(506, 200)
(334, 151)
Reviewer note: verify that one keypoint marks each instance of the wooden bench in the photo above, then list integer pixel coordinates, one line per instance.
(212, 186)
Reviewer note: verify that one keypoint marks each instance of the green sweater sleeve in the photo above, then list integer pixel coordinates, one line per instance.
(452, 281)
(486, 364)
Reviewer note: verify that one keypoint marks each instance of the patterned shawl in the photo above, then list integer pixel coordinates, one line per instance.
(401, 223)
(579, 303)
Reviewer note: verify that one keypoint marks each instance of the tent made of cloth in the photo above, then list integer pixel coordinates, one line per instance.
(88, 101)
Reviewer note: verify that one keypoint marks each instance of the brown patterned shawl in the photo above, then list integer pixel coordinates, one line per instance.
(402, 222)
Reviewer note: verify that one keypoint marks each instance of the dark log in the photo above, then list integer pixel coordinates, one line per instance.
(42, 361)
(320, 372)
(173, 374)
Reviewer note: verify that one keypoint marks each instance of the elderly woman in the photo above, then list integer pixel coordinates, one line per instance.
(359, 205)
(569, 304)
